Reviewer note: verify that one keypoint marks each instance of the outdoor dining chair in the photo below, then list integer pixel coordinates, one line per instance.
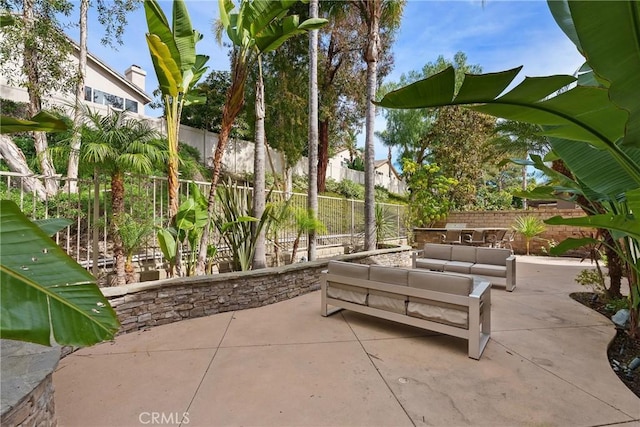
(452, 237)
(477, 238)
(495, 239)
(508, 239)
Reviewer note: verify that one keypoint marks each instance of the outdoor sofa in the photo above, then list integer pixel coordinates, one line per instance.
(478, 261)
(449, 303)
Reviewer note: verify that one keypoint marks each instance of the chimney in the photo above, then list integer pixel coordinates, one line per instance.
(136, 75)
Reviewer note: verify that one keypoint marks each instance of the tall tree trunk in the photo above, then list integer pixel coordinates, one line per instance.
(524, 183)
(30, 68)
(259, 256)
(232, 107)
(172, 115)
(371, 57)
(14, 157)
(76, 141)
(314, 179)
(117, 206)
(323, 154)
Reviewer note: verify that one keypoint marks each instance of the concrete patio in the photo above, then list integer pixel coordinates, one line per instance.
(285, 365)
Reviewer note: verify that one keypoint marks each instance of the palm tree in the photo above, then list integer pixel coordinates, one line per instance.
(529, 227)
(377, 14)
(520, 139)
(115, 144)
(259, 26)
(312, 191)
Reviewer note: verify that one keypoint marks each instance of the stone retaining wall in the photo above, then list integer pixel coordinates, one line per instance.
(148, 304)
(27, 387)
(506, 219)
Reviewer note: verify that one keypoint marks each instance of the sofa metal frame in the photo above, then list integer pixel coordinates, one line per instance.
(478, 302)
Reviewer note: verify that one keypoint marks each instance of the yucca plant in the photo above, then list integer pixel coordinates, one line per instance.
(235, 224)
(529, 227)
(382, 224)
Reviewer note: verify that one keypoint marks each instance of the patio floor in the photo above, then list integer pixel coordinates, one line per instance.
(285, 365)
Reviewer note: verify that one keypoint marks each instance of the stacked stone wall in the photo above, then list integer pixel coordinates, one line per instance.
(148, 304)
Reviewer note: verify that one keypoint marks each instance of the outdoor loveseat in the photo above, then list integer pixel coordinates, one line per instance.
(448, 303)
(477, 261)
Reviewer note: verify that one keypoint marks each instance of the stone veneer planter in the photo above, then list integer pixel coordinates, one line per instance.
(148, 304)
(27, 389)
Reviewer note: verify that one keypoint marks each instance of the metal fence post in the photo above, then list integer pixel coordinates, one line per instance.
(96, 216)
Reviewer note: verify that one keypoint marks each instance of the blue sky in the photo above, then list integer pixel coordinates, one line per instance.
(496, 35)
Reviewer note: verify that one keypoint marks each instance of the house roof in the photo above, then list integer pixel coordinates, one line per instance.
(112, 72)
(379, 163)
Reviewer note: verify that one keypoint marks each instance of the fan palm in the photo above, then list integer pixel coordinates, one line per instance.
(115, 144)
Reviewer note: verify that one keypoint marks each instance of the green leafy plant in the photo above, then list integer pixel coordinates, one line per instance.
(594, 126)
(235, 224)
(529, 227)
(133, 233)
(305, 222)
(592, 279)
(44, 292)
(382, 224)
(186, 228)
(178, 69)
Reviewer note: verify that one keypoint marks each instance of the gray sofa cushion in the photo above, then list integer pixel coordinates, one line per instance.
(440, 312)
(495, 256)
(385, 300)
(392, 275)
(431, 263)
(464, 254)
(435, 311)
(435, 251)
(451, 283)
(458, 267)
(344, 292)
(489, 270)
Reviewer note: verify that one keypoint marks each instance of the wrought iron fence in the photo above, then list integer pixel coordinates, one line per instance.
(87, 240)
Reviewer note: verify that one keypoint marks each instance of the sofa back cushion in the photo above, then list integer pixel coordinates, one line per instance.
(432, 250)
(452, 283)
(348, 269)
(391, 275)
(495, 256)
(464, 254)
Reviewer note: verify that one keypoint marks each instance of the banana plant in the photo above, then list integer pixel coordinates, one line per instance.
(42, 121)
(44, 292)
(594, 125)
(178, 69)
(186, 229)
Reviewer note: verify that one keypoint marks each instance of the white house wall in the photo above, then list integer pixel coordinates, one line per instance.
(97, 76)
(238, 159)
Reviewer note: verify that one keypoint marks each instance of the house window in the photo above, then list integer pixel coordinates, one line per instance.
(130, 105)
(104, 98)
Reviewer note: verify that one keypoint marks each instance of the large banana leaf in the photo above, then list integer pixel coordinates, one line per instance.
(42, 121)
(172, 49)
(609, 34)
(620, 225)
(581, 114)
(43, 290)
